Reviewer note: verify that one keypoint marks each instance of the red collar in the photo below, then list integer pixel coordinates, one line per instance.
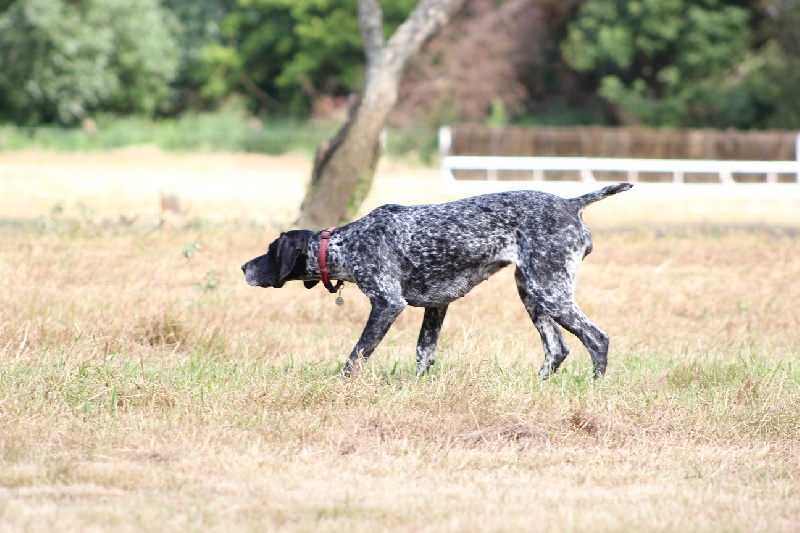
(323, 261)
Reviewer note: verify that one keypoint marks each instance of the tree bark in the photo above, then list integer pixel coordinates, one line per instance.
(345, 166)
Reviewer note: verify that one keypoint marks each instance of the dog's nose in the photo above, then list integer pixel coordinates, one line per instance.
(244, 268)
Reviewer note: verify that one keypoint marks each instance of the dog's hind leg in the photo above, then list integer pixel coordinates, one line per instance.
(569, 316)
(554, 294)
(555, 347)
(381, 317)
(549, 277)
(428, 337)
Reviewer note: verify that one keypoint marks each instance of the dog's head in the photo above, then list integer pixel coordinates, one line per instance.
(284, 261)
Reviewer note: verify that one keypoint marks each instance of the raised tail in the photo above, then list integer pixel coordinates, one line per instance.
(586, 199)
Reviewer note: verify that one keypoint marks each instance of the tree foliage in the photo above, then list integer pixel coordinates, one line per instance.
(662, 62)
(199, 26)
(705, 63)
(771, 74)
(287, 52)
(61, 59)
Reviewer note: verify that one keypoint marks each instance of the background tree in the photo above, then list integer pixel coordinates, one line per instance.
(344, 167)
(661, 62)
(702, 63)
(473, 66)
(767, 95)
(287, 53)
(59, 60)
(199, 26)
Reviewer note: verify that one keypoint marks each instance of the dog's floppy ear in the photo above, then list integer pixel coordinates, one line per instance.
(290, 245)
(310, 283)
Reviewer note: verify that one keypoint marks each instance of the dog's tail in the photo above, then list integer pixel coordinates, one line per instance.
(596, 196)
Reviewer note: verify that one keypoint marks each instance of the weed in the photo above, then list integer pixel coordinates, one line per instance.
(210, 281)
(163, 330)
(191, 249)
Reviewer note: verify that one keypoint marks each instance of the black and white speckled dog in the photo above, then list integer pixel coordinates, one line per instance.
(429, 255)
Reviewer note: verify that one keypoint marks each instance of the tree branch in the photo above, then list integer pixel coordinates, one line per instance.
(421, 25)
(266, 100)
(370, 22)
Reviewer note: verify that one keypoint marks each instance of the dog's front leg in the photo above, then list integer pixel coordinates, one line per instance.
(428, 337)
(383, 314)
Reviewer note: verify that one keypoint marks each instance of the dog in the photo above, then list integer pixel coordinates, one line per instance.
(430, 255)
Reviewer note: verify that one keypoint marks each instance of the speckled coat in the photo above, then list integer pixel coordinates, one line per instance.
(430, 255)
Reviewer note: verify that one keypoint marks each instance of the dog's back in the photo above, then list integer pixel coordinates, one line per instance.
(469, 231)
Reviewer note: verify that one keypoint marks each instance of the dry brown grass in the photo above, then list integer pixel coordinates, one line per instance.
(139, 390)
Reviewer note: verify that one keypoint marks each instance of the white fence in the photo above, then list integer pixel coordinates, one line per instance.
(726, 186)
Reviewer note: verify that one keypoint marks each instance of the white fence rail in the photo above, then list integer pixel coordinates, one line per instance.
(726, 186)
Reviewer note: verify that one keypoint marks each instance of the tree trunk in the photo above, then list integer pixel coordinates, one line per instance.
(345, 166)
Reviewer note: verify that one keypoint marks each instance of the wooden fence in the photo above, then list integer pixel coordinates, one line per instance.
(757, 164)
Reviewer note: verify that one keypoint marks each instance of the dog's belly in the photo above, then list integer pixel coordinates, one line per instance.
(446, 287)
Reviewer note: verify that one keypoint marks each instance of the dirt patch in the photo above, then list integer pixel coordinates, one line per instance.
(132, 183)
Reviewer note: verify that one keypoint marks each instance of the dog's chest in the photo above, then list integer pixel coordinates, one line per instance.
(430, 281)
(441, 289)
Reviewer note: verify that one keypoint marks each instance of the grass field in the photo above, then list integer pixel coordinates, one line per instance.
(145, 386)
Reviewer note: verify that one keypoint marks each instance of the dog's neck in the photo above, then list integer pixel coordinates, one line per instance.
(336, 270)
(323, 261)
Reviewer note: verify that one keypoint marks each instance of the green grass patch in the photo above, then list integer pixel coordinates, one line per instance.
(215, 132)
(228, 130)
(712, 399)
